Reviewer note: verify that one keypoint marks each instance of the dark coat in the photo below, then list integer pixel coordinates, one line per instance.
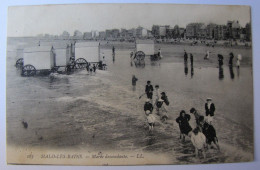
(148, 106)
(184, 125)
(210, 111)
(149, 91)
(209, 132)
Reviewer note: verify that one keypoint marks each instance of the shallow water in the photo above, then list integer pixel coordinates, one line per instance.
(103, 111)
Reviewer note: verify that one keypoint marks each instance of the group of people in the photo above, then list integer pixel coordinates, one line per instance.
(231, 57)
(91, 68)
(186, 58)
(204, 134)
(160, 104)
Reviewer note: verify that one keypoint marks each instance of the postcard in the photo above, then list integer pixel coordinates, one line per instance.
(129, 84)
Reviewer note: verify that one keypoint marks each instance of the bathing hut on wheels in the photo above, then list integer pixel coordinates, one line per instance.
(38, 59)
(86, 52)
(144, 48)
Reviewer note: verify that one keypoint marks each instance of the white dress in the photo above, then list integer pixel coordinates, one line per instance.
(198, 140)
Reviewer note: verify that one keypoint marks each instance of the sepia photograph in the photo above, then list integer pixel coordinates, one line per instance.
(129, 84)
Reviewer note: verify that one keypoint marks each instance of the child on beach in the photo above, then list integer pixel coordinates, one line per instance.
(210, 109)
(183, 121)
(150, 120)
(196, 115)
(148, 106)
(210, 133)
(198, 140)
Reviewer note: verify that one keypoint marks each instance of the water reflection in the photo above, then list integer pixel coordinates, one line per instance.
(238, 71)
(186, 68)
(139, 63)
(59, 83)
(191, 71)
(113, 55)
(221, 73)
(231, 72)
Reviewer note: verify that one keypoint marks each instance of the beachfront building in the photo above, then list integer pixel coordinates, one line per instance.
(159, 31)
(155, 30)
(115, 33)
(131, 33)
(102, 35)
(210, 30)
(202, 31)
(173, 32)
(220, 32)
(123, 33)
(182, 32)
(87, 36)
(78, 34)
(141, 32)
(170, 32)
(195, 30)
(248, 31)
(94, 34)
(65, 35)
(109, 34)
(233, 29)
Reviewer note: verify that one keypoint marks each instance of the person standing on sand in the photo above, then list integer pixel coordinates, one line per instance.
(210, 109)
(159, 53)
(239, 58)
(134, 80)
(113, 50)
(231, 56)
(185, 56)
(183, 121)
(198, 140)
(220, 60)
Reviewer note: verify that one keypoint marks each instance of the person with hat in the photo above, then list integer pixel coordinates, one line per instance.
(210, 109)
(183, 121)
(149, 90)
(148, 106)
(150, 120)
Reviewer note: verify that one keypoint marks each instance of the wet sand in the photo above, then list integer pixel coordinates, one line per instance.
(102, 112)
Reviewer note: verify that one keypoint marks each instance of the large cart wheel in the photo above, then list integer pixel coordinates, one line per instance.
(28, 70)
(19, 63)
(81, 63)
(139, 55)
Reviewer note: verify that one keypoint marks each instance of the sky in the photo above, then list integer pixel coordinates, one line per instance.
(54, 19)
